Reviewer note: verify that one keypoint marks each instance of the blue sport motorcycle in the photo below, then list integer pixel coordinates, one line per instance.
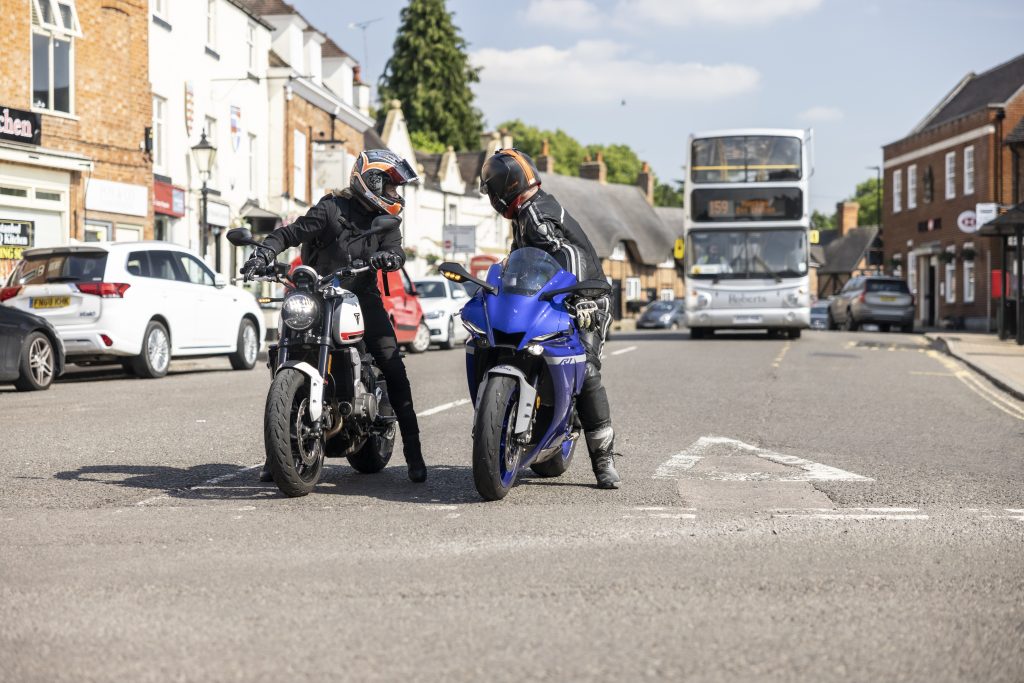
(525, 365)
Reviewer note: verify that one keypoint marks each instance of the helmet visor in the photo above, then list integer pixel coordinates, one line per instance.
(402, 173)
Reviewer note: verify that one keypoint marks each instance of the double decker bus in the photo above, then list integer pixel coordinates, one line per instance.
(747, 221)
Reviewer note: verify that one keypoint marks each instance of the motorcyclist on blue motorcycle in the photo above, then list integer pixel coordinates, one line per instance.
(329, 234)
(511, 181)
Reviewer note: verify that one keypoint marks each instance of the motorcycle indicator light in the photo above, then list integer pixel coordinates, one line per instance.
(300, 311)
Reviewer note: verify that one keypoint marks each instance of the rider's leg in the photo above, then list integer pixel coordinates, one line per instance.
(592, 404)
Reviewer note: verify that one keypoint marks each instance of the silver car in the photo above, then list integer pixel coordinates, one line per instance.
(883, 301)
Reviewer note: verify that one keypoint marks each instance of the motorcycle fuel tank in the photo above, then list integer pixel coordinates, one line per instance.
(349, 325)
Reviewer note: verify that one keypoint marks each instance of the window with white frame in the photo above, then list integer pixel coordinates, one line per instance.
(951, 278)
(634, 292)
(159, 8)
(968, 172)
(211, 23)
(912, 187)
(299, 166)
(54, 28)
(159, 133)
(250, 42)
(667, 295)
(897, 191)
(618, 252)
(252, 164)
(951, 175)
(969, 273)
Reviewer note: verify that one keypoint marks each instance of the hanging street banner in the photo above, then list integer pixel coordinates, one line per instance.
(236, 127)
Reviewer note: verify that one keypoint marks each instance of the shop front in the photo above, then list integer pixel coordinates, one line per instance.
(168, 210)
(115, 211)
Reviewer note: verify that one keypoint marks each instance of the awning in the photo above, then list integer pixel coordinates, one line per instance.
(1005, 225)
(260, 220)
(253, 211)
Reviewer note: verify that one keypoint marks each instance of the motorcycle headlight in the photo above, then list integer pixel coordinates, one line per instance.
(300, 311)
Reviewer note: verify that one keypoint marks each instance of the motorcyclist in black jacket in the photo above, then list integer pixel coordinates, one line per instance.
(329, 234)
(511, 181)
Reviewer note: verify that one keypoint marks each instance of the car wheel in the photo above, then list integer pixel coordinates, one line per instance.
(831, 322)
(247, 348)
(449, 343)
(38, 364)
(850, 325)
(883, 327)
(421, 342)
(155, 358)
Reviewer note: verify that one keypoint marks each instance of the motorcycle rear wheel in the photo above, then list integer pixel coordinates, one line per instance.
(296, 458)
(496, 456)
(376, 452)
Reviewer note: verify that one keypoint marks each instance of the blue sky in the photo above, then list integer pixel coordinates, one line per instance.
(862, 73)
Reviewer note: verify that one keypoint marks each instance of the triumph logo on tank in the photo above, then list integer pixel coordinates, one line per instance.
(20, 126)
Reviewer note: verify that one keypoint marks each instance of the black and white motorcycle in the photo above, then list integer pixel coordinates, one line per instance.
(327, 398)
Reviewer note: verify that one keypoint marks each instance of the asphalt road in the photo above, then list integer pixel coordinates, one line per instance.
(842, 507)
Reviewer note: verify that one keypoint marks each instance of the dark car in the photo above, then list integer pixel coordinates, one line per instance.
(663, 314)
(883, 301)
(819, 314)
(31, 353)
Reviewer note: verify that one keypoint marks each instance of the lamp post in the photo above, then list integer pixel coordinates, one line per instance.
(878, 211)
(205, 153)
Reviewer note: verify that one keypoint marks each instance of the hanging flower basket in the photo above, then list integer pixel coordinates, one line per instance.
(946, 257)
(968, 254)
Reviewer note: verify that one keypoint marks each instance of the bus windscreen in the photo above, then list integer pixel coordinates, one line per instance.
(745, 159)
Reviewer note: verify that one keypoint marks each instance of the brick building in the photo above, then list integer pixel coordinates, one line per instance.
(74, 112)
(935, 178)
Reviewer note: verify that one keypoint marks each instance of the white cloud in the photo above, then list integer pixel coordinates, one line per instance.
(579, 15)
(601, 72)
(821, 114)
(685, 12)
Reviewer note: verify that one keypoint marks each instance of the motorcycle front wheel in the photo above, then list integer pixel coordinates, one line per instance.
(496, 455)
(296, 456)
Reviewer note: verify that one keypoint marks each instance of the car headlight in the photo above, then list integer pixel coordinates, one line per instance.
(666, 317)
(300, 311)
(433, 315)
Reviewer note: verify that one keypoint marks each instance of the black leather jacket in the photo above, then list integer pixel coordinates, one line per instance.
(329, 230)
(544, 224)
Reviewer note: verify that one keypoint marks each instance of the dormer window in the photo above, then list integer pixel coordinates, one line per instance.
(54, 27)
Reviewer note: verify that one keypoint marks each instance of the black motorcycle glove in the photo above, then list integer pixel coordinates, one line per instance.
(258, 263)
(385, 260)
(584, 311)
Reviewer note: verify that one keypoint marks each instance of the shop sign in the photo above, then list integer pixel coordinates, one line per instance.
(459, 239)
(967, 221)
(986, 213)
(15, 237)
(168, 199)
(20, 126)
(113, 197)
(218, 214)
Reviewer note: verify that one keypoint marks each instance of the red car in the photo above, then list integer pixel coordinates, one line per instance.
(403, 307)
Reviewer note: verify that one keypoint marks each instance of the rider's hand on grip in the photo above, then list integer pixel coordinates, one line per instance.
(585, 313)
(384, 260)
(257, 264)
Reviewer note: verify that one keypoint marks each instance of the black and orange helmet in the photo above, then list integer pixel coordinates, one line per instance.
(376, 177)
(505, 178)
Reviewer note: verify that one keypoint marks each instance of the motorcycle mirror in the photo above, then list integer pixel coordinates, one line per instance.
(241, 237)
(456, 273)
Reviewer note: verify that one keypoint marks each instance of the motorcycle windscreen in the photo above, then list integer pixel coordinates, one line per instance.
(527, 271)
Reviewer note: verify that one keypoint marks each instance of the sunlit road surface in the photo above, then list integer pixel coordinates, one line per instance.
(839, 507)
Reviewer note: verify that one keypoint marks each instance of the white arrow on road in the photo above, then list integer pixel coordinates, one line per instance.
(679, 464)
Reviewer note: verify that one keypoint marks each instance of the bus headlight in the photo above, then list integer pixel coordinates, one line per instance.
(300, 311)
(703, 299)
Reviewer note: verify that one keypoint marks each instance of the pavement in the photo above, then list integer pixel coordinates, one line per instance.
(1001, 361)
(847, 506)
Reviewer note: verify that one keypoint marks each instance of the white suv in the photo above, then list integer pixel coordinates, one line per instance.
(140, 303)
(442, 301)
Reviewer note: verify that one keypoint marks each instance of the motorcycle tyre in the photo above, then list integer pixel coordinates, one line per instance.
(286, 392)
(375, 453)
(497, 405)
(556, 466)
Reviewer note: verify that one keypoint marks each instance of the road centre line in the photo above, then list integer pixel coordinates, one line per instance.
(834, 516)
(782, 354)
(443, 407)
(205, 484)
(625, 350)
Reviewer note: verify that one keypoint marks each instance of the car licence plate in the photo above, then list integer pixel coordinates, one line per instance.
(746, 319)
(887, 298)
(51, 301)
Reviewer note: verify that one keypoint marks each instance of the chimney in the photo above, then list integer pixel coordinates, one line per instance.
(491, 143)
(846, 217)
(594, 170)
(506, 139)
(546, 162)
(645, 179)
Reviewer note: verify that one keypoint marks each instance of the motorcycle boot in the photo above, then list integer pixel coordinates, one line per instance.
(602, 457)
(414, 458)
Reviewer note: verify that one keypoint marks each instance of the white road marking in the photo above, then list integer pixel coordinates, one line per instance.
(833, 516)
(206, 484)
(443, 407)
(782, 354)
(625, 350)
(679, 463)
(850, 513)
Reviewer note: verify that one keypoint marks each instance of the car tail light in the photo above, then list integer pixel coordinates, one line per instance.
(107, 341)
(107, 290)
(861, 297)
(9, 293)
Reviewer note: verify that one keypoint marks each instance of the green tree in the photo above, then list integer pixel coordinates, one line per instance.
(666, 195)
(870, 197)
(429, 71)
(622, 162)
(566, 150)
(426, 142)
(821, 221)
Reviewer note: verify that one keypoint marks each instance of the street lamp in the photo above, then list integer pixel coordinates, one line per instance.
(878, 212)
(205, 153)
